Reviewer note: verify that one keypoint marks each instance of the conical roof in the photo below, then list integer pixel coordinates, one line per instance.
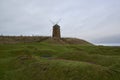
(56, 25)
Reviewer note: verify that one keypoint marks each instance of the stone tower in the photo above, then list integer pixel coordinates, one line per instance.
(56, 31)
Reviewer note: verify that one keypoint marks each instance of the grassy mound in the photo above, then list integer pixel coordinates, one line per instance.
(33, 39)
(46, 61)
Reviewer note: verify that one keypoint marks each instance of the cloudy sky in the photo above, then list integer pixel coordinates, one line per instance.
(97, 21)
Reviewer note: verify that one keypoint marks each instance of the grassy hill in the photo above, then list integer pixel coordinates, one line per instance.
(31, 39)
(62, 60)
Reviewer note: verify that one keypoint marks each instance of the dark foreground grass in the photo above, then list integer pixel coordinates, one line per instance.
(43, 61)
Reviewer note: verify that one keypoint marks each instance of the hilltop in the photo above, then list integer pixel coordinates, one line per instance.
(31, 39)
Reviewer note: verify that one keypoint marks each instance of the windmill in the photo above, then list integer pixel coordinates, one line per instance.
(56, 29)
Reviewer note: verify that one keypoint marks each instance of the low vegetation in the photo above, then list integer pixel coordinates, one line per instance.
(47, 61)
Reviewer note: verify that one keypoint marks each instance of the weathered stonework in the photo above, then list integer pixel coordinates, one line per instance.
(56, 31)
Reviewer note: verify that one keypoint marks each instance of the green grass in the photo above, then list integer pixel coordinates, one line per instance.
(44, 61)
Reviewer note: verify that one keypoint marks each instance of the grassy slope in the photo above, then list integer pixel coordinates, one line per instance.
(43, 61)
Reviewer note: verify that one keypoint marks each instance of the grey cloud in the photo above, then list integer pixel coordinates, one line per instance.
(87, 19)
(115, 39)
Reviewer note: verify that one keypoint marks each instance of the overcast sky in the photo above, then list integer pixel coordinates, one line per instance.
(97, 21)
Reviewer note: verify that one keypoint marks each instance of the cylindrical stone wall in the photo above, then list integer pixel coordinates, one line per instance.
(56, 31)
